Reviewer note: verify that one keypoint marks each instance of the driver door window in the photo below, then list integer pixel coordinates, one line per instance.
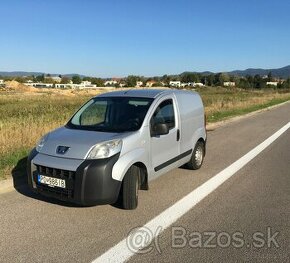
(164, 114)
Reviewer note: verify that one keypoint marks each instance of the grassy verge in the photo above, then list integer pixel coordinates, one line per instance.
(24, 118)
(225, 114)
(13, 163)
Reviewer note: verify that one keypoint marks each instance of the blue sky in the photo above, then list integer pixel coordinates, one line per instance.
(153, 37)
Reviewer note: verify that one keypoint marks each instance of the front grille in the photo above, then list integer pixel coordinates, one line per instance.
(68, 176)
(57, 173)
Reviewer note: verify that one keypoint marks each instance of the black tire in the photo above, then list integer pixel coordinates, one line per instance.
(130, 188)
(197, 156)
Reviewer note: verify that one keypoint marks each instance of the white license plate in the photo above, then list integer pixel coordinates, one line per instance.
(51, 181)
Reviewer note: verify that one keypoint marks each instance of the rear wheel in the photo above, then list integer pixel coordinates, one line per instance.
(197, 157)
(130, 188)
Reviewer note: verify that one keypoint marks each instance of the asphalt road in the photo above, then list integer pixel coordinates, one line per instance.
(247, 218)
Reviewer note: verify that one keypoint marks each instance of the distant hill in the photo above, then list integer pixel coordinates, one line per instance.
(19, 73)
(278, 73)
(205, 73)
(29, 73)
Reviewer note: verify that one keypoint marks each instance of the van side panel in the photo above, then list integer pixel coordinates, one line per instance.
(192, 119)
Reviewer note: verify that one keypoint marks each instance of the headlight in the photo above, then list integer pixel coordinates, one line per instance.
(105, 149)
(41, 143)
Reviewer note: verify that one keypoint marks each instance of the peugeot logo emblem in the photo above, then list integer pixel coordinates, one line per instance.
(62, 149)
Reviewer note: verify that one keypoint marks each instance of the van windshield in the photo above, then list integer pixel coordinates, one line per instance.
(111, 114)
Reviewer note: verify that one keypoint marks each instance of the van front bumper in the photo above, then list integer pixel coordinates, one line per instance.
(89, 183)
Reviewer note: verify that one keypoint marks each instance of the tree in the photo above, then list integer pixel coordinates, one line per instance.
(76, 79)
(48, 80)
(270, 77)
(87, 79)
(190, 77)
(40, 78)
(65, 80)
(20, 79)
(284, 85)
(259, 83)
(235, 79)
(209, 80)
(244, 83)
(165, 79)
(131, 80)
(223, 77)
(157, 84)
(97, 81)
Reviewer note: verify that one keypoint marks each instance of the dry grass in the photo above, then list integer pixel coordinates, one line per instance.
(25, 117)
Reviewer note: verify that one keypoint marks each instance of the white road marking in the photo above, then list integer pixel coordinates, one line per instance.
(120, 252)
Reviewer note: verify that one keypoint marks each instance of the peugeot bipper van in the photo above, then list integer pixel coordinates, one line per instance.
(116, 143)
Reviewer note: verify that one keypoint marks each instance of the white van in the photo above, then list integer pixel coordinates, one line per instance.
(116, 143)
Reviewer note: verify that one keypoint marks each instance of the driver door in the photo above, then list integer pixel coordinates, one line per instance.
(165, 148)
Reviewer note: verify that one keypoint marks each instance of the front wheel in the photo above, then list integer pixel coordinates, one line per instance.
(197, 157)
(130, 188)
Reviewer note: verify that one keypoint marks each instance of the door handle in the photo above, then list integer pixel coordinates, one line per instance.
(178, 135)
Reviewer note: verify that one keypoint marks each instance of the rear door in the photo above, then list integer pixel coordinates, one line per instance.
(165, 148)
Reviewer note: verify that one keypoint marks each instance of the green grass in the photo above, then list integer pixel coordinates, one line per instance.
(13, 159)
(226, 114)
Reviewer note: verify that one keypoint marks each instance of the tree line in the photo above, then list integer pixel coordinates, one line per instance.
(211, 80)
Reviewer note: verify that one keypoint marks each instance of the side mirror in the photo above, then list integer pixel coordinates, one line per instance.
(159, 129)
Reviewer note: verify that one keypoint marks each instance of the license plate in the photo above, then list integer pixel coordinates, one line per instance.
(51, 181)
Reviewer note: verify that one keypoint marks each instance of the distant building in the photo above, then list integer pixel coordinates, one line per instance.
(63, 86)
(83, 85)
(39, 84)
(191, 84)
(85, 82)
(56, 79)
(198, 84)
(110, 82)
(1, 81)
(150, 83)
(175, 83)
(272, 83)
(229, 84)
(139, 84)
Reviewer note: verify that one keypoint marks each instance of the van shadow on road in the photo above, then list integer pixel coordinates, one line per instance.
(21, 185)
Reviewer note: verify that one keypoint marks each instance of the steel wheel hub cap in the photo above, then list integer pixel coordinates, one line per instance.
(199, 156)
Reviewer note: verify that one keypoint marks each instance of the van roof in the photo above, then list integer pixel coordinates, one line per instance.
(143, 93)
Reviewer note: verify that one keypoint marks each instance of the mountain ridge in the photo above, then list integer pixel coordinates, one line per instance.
(283, 72)
(34, 73)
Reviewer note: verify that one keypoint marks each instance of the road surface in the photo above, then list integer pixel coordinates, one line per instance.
(246, 218)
